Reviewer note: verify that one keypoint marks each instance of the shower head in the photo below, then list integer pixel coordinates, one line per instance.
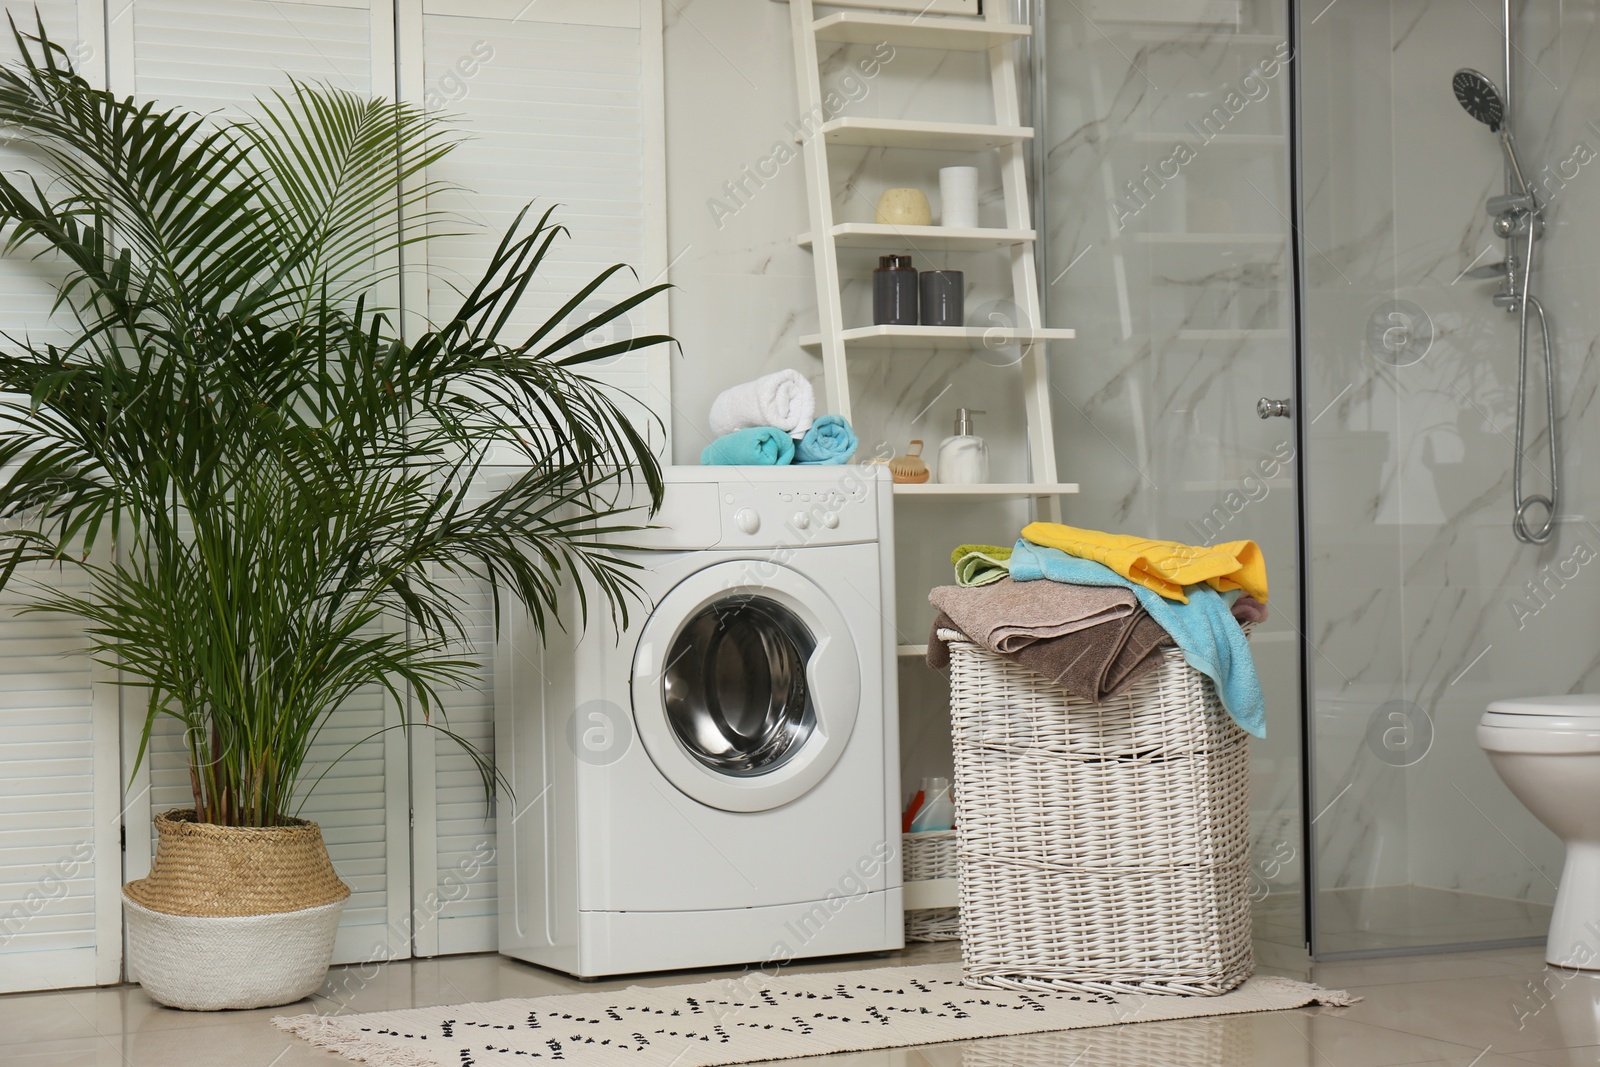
(1483, 102)
(1479, 96)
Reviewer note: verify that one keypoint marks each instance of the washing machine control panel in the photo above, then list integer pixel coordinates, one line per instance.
(795, 515)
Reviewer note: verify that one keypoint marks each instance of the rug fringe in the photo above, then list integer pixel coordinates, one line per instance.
(1333, 998)
(327, 1032)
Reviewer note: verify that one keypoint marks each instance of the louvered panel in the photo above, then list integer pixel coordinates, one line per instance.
(465, 900)
(28, 286)
(221, 55)
(211, 54)
(556, 100)
(556, 115)
(57, 751)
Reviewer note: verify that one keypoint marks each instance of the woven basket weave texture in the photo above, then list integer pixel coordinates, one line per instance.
(930, 855)
(201, 869)
(1104, 848)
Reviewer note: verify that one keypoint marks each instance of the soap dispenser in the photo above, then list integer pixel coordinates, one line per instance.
(963, 457)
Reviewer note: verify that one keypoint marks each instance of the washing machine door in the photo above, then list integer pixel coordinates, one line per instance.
(746, 685)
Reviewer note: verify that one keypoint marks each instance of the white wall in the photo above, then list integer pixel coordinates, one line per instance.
(746, 291)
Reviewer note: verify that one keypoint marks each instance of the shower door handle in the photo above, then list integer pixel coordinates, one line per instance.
(1272, 409)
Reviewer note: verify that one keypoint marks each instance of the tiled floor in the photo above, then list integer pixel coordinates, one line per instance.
(1481, 1009)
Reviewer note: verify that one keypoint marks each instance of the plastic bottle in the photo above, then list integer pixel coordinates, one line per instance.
(938, 811)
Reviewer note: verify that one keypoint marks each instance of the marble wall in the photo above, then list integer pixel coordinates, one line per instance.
(1173, 266)
(1166, 212)
(1453, 610)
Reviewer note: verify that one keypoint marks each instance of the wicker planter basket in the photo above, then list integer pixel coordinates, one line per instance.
(1104, 848)
(233, 917)
(930, 855)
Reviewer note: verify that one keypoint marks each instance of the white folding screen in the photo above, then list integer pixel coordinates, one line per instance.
(562, 103)
(221, 55)
(60, 777)
(60, 860)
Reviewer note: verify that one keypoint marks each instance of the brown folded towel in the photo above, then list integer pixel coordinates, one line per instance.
(1248, 609)
(1006, 616)
(1093, 664)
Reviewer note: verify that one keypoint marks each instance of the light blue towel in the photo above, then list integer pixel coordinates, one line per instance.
(758, 446)
(1205, 629)
(830, 440)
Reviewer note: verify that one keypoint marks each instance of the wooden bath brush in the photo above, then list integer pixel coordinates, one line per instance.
(909, 468)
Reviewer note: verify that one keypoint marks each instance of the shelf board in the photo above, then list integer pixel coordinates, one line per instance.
(941, 338)
(910, 651)
(923, 238)
(1226, 140)
(1255, 40)
(914, 31)
(967, 8)
(931, 893)
(1232, 335)
(988, 489)
(1210, 238)
(1212, 486)
(912, 133)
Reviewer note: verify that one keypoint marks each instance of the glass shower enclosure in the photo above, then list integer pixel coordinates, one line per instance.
(1262, 218)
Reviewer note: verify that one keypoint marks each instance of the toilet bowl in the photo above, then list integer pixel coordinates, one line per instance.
(1547, 751)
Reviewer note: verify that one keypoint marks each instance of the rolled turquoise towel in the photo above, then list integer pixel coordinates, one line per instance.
(759, 446)
(830, 440)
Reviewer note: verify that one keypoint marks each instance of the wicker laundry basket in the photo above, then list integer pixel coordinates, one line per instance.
(1103, 847)
(929, 856)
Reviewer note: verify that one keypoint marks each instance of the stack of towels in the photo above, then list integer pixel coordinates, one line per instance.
(1093, 611)
(768, 422)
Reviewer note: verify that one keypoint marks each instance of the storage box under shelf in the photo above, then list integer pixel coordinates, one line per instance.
(931, 893)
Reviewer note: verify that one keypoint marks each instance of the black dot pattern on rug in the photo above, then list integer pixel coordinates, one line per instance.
(764, 1017)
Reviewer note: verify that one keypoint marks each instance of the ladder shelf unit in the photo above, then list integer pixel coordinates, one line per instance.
(991, 33)
(1028, 341)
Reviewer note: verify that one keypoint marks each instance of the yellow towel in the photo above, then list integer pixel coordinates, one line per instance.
(1164, 566)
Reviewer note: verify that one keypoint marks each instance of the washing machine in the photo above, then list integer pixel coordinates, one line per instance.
(714, 780)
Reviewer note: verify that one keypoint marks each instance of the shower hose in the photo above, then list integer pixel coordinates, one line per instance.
(1519, 519)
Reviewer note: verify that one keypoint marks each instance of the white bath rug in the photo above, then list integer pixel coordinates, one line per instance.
(752, 1017)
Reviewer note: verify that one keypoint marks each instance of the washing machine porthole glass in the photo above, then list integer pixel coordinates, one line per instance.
(735, 686)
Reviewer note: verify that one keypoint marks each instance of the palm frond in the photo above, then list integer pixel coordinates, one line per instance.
(295, 492)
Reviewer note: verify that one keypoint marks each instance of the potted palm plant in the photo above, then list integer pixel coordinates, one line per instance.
(269, 489)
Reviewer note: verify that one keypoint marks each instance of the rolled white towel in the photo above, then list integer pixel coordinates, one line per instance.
(783, 399)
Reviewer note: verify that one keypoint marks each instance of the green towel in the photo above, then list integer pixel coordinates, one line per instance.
(981, 564)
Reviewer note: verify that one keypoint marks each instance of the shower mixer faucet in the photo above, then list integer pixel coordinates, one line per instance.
(1513, 213)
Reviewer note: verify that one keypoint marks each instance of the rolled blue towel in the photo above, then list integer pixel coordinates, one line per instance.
(830, 440)
(758, 446)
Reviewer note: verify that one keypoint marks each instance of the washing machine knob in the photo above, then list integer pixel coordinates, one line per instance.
(831, 521)
(747, 520)
(802, 520)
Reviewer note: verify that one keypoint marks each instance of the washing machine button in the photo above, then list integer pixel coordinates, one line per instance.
(747, 520)
(802, 521)
(831, 521)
